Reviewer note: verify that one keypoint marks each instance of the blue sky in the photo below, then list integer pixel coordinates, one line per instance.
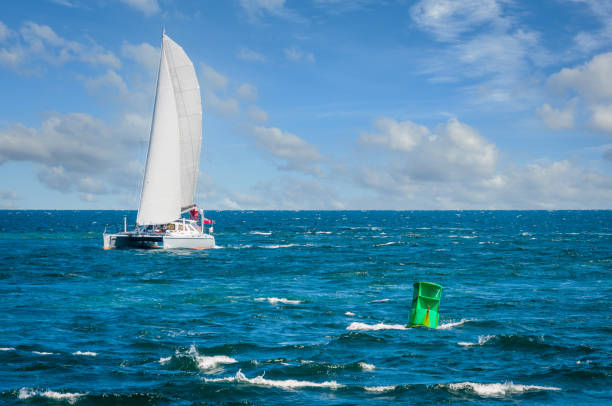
(315, 104)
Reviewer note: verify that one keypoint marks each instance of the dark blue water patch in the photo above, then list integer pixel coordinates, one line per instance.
(270, 316)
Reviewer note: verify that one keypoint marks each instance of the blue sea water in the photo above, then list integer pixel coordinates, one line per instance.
(308, 307)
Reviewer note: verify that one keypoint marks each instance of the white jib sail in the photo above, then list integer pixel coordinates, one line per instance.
(160, 201)
(189, 111)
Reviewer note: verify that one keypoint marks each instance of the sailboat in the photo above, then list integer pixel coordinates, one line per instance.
(173, 158)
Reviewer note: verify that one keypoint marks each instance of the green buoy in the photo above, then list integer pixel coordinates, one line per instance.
(425, 304)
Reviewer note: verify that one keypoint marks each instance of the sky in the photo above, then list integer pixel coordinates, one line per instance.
(315, 104)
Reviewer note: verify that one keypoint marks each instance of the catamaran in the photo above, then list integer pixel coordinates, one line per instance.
(173, 159)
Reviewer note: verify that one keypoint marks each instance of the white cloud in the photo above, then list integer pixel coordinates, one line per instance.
(64, 3)
(11, 58)
(8, 197)
(447, 19)
(9, 194)
(291, 193)
(5, 32)
(212, 79)
(600, 35)
(257, 115)
(284, 193)
(227, 107)
(76, 152)
(257, 9)
(247, 54)
(601, 120)
(454, 151)
(293, 152)
(345, 6)
(478, 42)
(147, 7)
(557, 185)
(41, 43)
(393, 135)
(453, 167)
(555, 118)
(145, 54)
(295, 55)
(247, 92)
(110, 79)
(592, 80)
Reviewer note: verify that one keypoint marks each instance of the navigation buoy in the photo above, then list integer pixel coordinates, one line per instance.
(425, 304)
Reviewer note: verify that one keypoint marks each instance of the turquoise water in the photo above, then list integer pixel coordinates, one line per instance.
(309, 308)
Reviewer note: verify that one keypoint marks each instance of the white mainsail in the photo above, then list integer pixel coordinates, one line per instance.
(176, 137)
(189, 109)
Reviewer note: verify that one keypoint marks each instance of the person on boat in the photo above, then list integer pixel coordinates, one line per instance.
(194, 214)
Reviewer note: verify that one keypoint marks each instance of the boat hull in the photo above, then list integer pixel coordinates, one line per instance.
(155, 241)
(203, 241)
(132, 240)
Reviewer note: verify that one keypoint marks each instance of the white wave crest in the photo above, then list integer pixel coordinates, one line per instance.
(386, 243)
(27, 393)
(42, 353)
(379, 388)
(237, 247)
(323, 232)
(164, 360)
(380, 326)
(367, 367)
(261, 232)
(274, 300)
(481, 341)
(274, 246)
(209, 363)
(349, 314)
(446, 326)
(380, 300)
(86, 353)
(7, 349)
(283, 384)
(498, 389)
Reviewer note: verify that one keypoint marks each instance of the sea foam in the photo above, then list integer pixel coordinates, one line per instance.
(380, 326)
(283, 384)
(379, 388)
(274, 300)
(367, 367)
(27, 393)
(206, 364)
(209, 363)
(380, 300)
(497, 389)
(446, 326)
(86, 353)
(481, 341)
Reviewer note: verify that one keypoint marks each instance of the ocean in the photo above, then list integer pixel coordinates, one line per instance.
(309, 307)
